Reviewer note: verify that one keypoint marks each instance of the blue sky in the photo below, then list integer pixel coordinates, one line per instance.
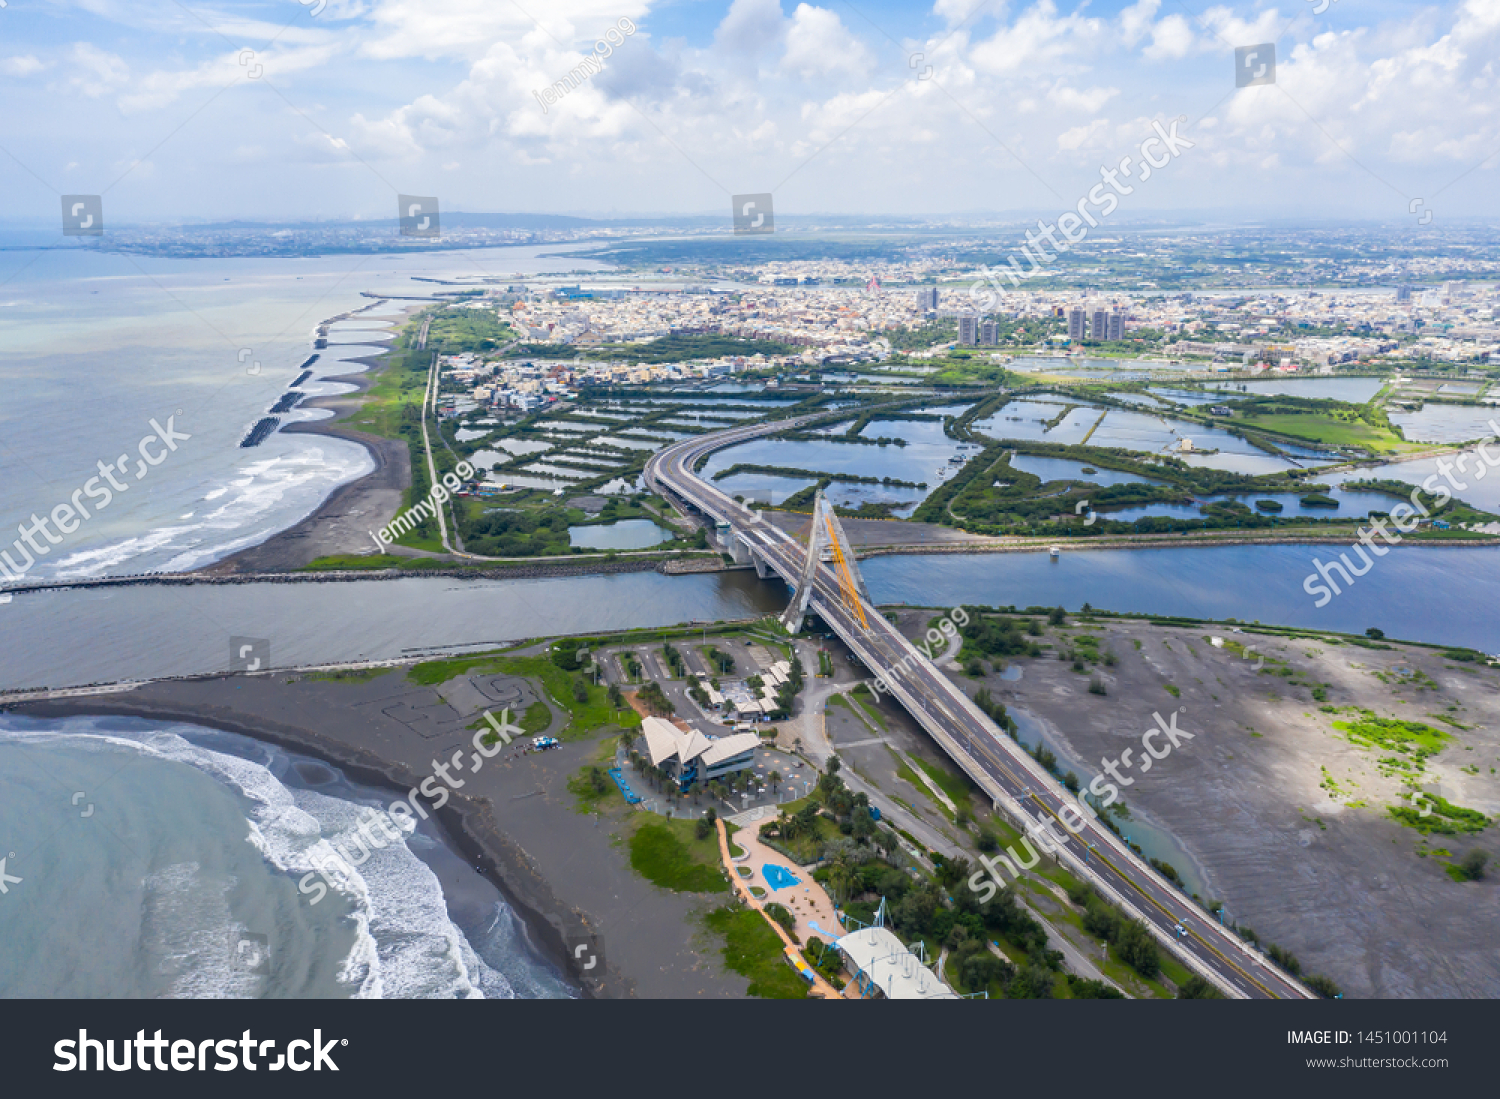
(329, 108)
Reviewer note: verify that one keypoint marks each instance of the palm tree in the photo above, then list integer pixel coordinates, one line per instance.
(840, 876)
(775, 778)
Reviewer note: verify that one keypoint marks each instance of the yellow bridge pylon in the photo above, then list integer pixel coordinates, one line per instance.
(826, 537)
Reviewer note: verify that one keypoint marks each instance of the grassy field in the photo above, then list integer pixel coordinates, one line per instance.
(1326, 429)
(958, 788)
(587, 716)
(753, 950)
(667, 853)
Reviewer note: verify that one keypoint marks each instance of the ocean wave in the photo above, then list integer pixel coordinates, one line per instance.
(259, 488)
(405, 944)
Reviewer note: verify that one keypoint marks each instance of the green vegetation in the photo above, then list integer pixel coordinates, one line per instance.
(590, 786)
(1470, 867)
(1442, 817)
(667, 349)
(668, 854)
(656, 700)
(753, 950)
(347, 675)
(788, 471)
(1411, 738)
(1131, 941)
(591, 713)
(1197, 988)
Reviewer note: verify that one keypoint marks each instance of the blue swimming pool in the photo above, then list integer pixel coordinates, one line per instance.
(778, 877)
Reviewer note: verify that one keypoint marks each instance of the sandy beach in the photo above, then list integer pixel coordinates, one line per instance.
(341, 523)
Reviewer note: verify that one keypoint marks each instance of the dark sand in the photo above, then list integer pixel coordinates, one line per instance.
(343, 522)
(1325, 874)
(567, 875)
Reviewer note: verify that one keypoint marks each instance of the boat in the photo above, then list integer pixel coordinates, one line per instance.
(1055, 551)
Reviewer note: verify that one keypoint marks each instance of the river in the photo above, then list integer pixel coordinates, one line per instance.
(92, 635)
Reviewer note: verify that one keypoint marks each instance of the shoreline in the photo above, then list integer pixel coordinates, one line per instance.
(341, 522)
(467, 823)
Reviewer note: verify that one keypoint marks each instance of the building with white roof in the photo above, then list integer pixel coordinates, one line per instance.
(880, 961)
(691, 756)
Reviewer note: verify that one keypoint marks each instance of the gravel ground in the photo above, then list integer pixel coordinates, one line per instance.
(1321, 870)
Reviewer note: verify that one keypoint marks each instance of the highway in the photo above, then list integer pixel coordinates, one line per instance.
(1000, 766)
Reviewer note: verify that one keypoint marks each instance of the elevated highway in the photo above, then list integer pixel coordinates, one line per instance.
(1015, 782)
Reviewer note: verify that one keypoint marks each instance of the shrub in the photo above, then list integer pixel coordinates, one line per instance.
(1196, 988)
(1096, 685)
(1323, 986)
(1472, 865)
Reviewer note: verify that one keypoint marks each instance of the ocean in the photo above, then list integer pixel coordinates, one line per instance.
(94, 346)
(149, 859)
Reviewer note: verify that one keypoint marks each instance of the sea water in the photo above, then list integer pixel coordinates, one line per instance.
(157, 859)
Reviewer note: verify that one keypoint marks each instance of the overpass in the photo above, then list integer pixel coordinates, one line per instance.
(1016, 783)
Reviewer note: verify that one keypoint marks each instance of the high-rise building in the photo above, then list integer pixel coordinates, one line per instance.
(966, 328)
(1076, 322)
(927, 298)
(1099, 330)
(1116, 330)
(988, 333)
(1403, 293)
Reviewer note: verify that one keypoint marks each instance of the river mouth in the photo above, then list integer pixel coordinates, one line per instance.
(78, 636)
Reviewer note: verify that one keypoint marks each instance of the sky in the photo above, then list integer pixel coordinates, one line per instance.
(181, 110)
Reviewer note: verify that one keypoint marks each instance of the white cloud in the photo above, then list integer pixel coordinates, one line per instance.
(750, 27)
(818, 43)
(1171, 39)
(1087, 101)
(21, 65)
(1080, 137)
(1135, 20)
(1037, 38)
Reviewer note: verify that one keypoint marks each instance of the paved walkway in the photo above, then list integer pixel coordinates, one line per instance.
(820, 989)
(807, 901)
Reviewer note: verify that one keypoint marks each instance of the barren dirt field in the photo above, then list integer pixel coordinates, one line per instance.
(1281, 802)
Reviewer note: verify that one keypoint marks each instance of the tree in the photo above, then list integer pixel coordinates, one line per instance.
(1057, 616)
(775, 778)
(1138, 949)
(1472, 865)
(1374, 633)
(1196, 988)
(580, 690)
(1323, 986)
(616, 699)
